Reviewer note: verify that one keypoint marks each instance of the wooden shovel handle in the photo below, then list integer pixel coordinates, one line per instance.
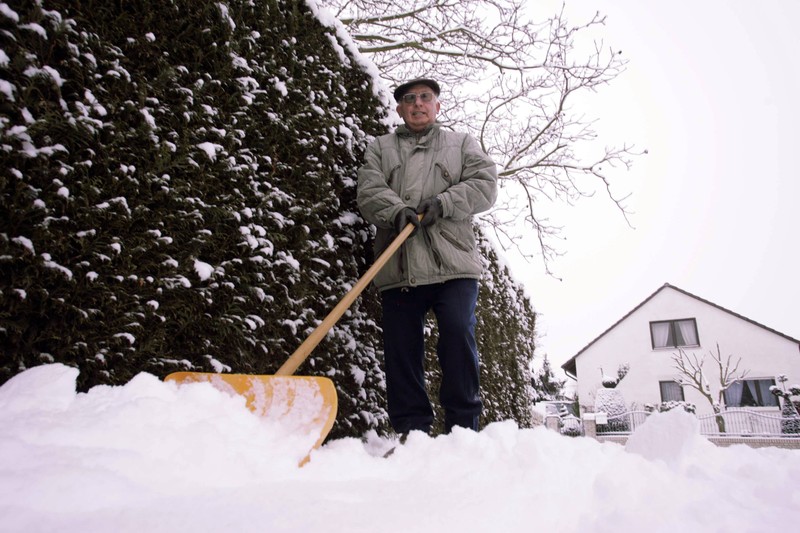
(302, 352)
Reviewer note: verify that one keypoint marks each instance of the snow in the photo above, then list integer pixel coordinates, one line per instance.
(8, 12)
(211, 149)
(204, 270)
(49, 263)
(343, 40)
(50, 72)
(152, 456)
(25, 243)
(36, 28)
(5, 87)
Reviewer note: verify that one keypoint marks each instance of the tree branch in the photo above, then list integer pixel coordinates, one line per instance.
(512, 83)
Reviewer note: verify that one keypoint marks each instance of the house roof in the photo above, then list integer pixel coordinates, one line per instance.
(570, 366)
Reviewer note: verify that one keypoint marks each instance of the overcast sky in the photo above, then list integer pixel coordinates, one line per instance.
(711, 90)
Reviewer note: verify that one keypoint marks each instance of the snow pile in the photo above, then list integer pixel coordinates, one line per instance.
(151, 456)
(684, 437)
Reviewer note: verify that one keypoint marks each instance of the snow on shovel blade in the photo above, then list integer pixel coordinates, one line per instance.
(301, 404)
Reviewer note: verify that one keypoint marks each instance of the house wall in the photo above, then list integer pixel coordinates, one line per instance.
(764, 354)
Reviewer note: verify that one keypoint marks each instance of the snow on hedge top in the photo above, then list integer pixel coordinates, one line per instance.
(343, 38)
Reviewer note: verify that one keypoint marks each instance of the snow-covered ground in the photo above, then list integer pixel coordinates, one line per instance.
(150, 456)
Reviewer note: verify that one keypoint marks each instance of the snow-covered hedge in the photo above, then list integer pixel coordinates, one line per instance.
(177, 190)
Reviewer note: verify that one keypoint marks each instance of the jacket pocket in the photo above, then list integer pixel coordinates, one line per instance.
(457, 249)
(392, 271)
(445, 178)
(455, 241)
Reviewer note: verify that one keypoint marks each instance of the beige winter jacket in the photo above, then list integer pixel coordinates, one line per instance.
(401, 169)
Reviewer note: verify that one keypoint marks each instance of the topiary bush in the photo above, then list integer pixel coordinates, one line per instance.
(611, 402)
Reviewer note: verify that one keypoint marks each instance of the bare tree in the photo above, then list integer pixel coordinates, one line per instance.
(516, 85)
(691, 372)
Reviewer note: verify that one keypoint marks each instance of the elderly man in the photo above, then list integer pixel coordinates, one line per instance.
(425, 169)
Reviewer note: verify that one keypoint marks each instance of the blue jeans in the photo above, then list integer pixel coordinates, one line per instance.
(404, 309)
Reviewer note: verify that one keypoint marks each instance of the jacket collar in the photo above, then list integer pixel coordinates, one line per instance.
(422, 136)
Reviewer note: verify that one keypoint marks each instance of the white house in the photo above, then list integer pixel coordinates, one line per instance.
(672, 321)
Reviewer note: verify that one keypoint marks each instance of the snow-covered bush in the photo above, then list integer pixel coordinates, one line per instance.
(790, 419)
(611, 402)
(622, 371)
(571, 426)
(610, 382)
(545, 384)
(505, 320)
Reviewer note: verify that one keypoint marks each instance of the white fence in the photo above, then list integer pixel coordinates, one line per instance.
(744, 423)
(729, 423)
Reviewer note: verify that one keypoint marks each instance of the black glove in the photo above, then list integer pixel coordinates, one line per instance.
(405, 217)
(432, 210)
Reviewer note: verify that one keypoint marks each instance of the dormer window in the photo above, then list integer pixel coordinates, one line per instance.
(674, 333)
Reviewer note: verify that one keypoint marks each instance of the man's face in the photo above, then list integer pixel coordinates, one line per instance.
(418, 115)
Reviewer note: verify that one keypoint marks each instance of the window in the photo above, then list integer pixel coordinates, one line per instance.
(671, 391)
(674, 333)
(751, 393)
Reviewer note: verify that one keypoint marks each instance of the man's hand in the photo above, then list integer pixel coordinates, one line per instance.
(432, 209)
(405, 217)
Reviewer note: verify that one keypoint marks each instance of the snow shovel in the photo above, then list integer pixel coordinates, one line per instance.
(306, 404)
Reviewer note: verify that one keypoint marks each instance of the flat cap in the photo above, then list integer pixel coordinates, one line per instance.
(403, 89)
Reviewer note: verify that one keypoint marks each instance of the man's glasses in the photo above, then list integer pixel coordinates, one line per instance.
(410, 98)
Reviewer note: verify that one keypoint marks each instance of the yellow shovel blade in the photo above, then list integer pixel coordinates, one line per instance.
(306, 404)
